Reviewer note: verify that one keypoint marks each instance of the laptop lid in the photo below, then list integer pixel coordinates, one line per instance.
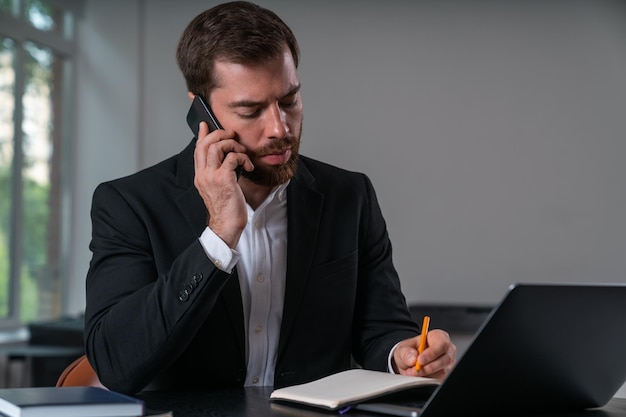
(545, 347)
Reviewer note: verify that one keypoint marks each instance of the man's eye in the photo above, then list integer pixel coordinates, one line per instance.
(250, 115)
(289, 103)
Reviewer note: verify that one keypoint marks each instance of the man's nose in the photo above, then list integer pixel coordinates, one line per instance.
(276, 124)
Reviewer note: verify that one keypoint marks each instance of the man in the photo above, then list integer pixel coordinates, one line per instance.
(200, 278)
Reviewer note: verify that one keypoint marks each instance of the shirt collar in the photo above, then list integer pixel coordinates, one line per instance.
(277, 195)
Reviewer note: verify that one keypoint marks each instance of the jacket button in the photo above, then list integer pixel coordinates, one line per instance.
(195, 280)
(183, 295)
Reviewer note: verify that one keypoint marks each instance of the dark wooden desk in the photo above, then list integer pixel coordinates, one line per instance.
(253, 402)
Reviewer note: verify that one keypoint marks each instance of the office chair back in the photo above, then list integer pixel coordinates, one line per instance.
(79, 374)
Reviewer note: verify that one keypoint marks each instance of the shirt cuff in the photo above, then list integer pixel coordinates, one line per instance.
(389, 359)
(222, 256)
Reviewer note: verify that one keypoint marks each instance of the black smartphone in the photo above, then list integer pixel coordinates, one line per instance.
(200, 111)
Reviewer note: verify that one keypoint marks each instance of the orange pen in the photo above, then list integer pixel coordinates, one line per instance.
(422, 344)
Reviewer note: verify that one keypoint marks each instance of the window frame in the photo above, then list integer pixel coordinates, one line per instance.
(65, 48)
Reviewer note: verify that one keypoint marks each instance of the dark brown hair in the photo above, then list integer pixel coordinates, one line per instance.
(239, 32)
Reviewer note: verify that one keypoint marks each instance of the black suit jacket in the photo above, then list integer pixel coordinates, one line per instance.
(160, 314)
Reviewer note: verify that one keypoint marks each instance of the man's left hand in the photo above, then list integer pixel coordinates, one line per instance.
(436, 360)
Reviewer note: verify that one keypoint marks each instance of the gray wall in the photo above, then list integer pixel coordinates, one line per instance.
(492, 131)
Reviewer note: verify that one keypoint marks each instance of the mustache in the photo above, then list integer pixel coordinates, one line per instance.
(276, 146)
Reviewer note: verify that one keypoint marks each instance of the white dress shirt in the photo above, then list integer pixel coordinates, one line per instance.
(261, 261)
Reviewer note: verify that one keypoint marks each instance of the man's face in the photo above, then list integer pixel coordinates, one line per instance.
(262, 104)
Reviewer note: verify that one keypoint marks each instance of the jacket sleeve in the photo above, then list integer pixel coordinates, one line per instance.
(139, 320)
(382, 317)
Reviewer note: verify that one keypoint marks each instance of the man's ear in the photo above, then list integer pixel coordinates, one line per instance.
(190, 95)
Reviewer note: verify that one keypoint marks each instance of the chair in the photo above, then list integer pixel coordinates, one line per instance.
(79, 374)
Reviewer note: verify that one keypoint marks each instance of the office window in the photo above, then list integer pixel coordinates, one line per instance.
(36, 62)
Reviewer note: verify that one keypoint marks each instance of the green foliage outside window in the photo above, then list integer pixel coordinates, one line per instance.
(26, 195)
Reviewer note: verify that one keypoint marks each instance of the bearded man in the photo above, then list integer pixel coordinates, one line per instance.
(201, 278)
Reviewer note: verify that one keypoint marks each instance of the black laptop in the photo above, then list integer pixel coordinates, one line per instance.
(544, 348)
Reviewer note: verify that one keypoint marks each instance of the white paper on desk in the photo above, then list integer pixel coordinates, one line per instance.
(349, 387)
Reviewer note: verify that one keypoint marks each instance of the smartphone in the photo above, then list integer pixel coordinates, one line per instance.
(200, 111)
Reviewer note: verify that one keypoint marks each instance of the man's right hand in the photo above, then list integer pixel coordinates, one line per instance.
(216, 157)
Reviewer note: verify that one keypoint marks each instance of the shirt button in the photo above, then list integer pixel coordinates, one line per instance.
(255, 380)
(257, 225)
(217, 263)
(260, 278)
(258, 329)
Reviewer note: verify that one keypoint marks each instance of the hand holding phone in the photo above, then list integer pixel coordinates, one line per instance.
(200, 111)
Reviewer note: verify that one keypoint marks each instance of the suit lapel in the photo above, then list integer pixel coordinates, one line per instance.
(231, 297)
(192, 208)
(189, 201)
(304, 207)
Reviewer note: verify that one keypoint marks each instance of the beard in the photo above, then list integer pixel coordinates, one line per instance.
(279, 174)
